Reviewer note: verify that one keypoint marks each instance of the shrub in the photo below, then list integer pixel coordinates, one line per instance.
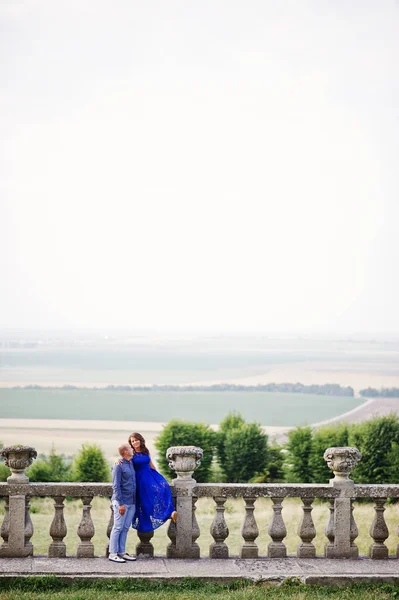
(54, 467)
(90, 465)
(299, 450)
(242, 449)
(4, 472)
(232, 421)
(377, 440)
(184, 433)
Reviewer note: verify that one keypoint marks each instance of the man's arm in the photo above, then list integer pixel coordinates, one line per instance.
(116, 483)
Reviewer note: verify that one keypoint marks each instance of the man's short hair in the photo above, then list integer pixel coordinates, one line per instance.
(122, 448)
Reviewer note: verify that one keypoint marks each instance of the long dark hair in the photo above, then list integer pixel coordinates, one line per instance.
(138, 436)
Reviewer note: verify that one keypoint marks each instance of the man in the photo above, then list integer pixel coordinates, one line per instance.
(123, 504)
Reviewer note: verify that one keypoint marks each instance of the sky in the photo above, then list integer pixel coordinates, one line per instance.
(212, 165)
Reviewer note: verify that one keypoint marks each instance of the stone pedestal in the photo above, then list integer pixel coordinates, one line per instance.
(19, 527)
(342, 460)
(184, 460)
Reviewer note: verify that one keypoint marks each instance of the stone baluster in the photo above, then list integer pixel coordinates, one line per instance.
(354, 532)
(145, 548)
(58, 530)
(171, 548)
(277, 531)
(379, 531)
(195, 530)
(86, 531)
(5, 528)
(28, 525)
(306, 531)
(184, 460)
(219, 531)
(329, 531)
(109, 529)
(18, 525)
(342, 460)
(249, 530)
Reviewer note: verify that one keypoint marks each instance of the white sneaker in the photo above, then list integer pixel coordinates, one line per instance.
(127, 556)
(116, 558)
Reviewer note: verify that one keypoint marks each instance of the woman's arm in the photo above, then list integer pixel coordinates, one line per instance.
(152, 465)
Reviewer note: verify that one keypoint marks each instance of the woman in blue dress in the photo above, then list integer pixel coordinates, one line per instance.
(154, 502)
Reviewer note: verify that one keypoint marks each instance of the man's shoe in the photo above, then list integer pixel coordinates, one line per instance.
(173, 516)
(116, 558)
(127, 556)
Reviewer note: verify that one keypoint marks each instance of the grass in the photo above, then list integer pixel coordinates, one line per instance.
(42, 511)
(267, 408)
(46, 588)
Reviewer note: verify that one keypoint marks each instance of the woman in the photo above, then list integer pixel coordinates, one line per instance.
(154, 502)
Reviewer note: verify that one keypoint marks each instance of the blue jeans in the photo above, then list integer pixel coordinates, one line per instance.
(122, 524)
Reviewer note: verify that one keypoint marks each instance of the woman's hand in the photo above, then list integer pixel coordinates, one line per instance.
(118, 462)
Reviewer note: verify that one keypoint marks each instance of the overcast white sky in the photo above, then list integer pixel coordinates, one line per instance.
(200, 165)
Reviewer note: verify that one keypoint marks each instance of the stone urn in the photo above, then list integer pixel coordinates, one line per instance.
(18, 458)
(184, 460)
(342, 460)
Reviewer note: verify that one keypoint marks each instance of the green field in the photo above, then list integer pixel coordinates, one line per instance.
(267, 408)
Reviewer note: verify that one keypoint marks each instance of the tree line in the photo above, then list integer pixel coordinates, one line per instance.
(240, 452)
(327, 389)
(370, 392)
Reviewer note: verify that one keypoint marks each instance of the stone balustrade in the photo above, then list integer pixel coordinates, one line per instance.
(341, 530)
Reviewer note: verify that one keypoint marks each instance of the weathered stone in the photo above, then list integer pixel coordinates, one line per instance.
(342, 460)
(58, 530)
(184, 460)
(86, 531)
(277, 531)
(379, 531)
(219, 531)
(341, 531)
(249, 531)
(329, 531)
(18, 458)
(145, 548)
(109, 528)
(306, 531)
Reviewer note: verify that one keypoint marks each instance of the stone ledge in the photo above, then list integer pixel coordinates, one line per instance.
(264, 571)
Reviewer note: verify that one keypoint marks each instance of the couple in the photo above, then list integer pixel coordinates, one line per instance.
(141, 496)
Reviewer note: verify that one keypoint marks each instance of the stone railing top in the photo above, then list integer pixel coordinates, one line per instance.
(265, 490)
(211, 490)
(75, 490)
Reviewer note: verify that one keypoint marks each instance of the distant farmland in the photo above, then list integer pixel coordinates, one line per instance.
(267, 408)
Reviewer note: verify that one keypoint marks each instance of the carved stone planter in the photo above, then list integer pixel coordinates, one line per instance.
(18, 458)
(184, 460)
(342, 460)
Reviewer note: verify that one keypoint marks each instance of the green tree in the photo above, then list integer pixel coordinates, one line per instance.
(184, 433)
(4, 471)
(377, 440)
(232, 421)
(275, 463)
(242, 449)
(54, 467)
(90, 465)
(323, 438)
(299, 450)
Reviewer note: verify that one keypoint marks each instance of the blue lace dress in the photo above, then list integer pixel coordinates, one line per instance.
(154, 502)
